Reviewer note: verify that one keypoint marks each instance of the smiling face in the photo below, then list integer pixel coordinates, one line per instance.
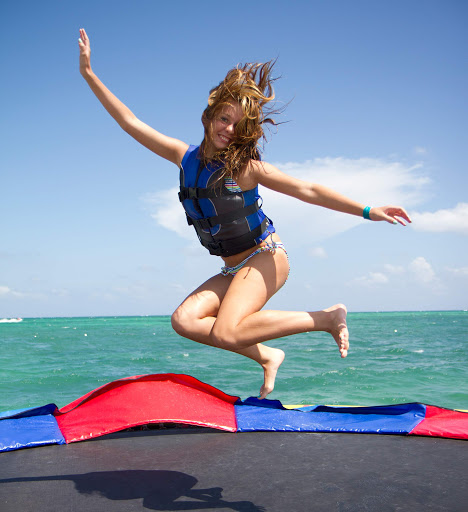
(223, 126)
(234, 117)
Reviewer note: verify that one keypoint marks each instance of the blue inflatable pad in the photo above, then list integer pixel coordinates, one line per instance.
(400, 419)
(31, 411)
(270, 404)
(26, 428)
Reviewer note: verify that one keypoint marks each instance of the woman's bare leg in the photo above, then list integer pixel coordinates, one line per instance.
(225, 312)
(195, 317)
(240, 323)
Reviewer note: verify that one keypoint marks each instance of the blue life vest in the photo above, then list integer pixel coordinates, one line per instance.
(226, 219)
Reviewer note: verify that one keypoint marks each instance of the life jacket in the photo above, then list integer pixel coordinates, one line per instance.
(227, 220)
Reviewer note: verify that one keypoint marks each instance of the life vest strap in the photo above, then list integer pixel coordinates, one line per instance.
(223, 218)
(235, 245)
(201, 193)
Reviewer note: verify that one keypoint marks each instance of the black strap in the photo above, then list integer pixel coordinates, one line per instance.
(235, 245)
(223, 218)
(201, 193)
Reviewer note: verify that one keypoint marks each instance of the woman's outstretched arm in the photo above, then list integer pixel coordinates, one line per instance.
(271, 177)
(167, 147)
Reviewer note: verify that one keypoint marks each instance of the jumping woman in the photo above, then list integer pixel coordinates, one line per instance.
(219, 191)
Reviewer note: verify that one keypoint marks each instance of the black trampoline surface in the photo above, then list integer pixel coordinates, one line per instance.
(201, 469)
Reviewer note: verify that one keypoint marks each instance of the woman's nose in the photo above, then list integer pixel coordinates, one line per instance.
(230, 128)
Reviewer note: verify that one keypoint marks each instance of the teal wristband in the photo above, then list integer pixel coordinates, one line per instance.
(366, 212)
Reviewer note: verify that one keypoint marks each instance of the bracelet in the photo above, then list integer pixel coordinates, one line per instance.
(366, 212)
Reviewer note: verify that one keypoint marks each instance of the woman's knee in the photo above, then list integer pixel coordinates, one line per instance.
(223, 336)
(180, 321)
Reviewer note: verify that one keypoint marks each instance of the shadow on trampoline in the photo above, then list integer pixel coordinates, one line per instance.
(159, 489)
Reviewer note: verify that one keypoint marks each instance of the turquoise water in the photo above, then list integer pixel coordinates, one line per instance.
(394, 358)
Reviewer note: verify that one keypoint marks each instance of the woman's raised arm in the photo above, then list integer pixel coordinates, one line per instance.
(167, 147)
(271, 177)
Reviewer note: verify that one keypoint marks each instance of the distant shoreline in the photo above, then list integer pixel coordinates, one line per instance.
(13, 320)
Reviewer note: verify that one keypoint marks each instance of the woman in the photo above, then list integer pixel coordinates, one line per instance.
(219, 181)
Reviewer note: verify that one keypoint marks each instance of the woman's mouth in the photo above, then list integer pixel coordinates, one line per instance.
(224, 139)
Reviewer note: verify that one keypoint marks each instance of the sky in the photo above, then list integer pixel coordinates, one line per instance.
(375, 107)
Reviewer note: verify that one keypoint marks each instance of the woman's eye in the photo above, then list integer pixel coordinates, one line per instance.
(224, 119)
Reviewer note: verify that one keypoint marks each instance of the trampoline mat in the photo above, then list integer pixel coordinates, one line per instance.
(203, 469)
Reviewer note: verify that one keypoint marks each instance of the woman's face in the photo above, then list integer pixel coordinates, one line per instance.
(224, 124)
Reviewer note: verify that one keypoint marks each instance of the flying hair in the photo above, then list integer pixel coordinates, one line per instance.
(249, 85)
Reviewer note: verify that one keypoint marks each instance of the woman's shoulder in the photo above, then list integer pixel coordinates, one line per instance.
(247, 178)
(252, 174)
(270, 176)
(191, 153)
(258, 168)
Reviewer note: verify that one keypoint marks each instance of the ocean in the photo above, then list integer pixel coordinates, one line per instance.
(395, 357)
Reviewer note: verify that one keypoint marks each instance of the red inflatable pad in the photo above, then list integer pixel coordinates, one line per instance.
(140, 400)
(443, 423)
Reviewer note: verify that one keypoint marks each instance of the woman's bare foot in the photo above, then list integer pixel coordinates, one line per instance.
(338, 328)
(270, 368)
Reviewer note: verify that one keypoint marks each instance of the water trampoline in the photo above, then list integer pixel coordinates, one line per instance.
(171, 442)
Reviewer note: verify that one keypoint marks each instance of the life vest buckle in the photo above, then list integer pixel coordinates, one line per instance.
(188, 193)
(213, 246)
(203, 223)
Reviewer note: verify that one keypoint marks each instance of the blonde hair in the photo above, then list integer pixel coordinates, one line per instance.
(249, 85)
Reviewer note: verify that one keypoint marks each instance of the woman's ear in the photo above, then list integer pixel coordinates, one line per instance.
(204, 119)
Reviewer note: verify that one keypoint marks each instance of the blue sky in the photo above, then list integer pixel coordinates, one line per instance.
(376, 108)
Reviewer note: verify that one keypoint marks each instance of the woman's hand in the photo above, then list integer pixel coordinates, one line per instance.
(392, 214)
(85, 52)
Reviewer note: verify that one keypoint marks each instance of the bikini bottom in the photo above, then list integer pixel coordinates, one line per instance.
(232, 271)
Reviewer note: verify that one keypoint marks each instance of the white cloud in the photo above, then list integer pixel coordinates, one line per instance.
(422, 270)
(419, 150)
(394, 269)
(451, 220)
(4, 290)
(372, 279)
(369, 180)
(419, 270)
(318, 252)
(460, 272)
(360, 178)
(168, 212)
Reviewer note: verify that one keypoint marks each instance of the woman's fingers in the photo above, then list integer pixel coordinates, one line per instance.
(399, 214)
(83, 40)
(392, 214)
(398, 220)
(85, 51)
(404, 215)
